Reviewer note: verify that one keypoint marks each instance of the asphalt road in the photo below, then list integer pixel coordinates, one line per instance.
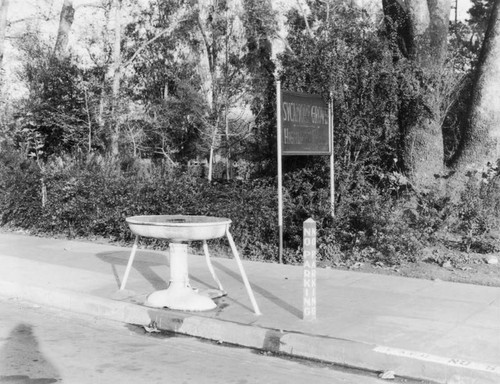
(42, 346)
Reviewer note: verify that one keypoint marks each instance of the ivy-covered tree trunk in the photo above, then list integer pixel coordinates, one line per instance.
(423, 154)
(481, 138)
(420, 29)
(66, 21)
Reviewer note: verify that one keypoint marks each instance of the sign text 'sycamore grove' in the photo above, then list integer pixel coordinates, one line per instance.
(304, 121)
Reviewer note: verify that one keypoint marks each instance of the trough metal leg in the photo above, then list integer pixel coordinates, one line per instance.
(242, 273)
(210, 266)
(129, 264)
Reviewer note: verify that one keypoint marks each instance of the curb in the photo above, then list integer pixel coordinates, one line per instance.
(346, 353)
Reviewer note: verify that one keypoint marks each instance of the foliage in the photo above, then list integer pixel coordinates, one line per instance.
(464, 45)
(61, 107)
(20, 188)
(479, 14)
(91, 196)
(177, 88)
(380, 220)
(260, 28)
(477, 217)
(349, 60)
(163, 86)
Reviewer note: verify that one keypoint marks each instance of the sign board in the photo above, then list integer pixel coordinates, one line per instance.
(305, 124)
(304, 127)
(309, 297)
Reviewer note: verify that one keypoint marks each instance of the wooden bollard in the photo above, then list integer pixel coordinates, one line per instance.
(309, 297)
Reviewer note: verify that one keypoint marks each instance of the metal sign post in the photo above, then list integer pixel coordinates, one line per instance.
(280, 174)
(332, 162)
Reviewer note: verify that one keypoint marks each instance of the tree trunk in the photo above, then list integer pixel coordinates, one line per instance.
(4, 6)
(481, 138)
(65, 23)
(421, 29)
(438, 28)
(116, 77)
(423, 154)
(207, 34)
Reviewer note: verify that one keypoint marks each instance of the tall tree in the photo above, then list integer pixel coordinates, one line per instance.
(260, 29)
(347, 57)
(164, 80)
(115, 75)
(222, 36)
(66, 19)
(161, 85)
(419, 28)
(481, 139)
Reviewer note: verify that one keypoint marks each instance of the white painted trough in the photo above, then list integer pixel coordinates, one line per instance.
(179, 229)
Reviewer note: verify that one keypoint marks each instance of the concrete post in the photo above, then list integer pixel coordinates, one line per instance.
(309, 296)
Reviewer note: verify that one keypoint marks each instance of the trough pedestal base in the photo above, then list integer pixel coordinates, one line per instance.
(180, 298)
(179, 294)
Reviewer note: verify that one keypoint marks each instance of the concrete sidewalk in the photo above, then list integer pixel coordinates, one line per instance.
(431, 330)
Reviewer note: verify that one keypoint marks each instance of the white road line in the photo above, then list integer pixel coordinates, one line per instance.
(439, 359)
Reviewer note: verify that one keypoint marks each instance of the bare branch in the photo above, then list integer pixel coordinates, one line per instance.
(161, 150)
(10, 23)
(168, 30)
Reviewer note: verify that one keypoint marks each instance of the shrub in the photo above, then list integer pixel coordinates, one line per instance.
(92, 197)
(477, 216)
(378, 217)
(20, 187)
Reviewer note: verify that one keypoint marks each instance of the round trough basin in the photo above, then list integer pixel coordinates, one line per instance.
(179, 228)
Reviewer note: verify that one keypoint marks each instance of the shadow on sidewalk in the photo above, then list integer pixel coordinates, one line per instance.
(262, 291)
(21, 360)
(143, 263)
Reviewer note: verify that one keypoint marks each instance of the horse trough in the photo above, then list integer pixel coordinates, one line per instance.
(178, 230)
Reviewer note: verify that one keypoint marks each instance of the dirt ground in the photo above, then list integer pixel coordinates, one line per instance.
(473, 269)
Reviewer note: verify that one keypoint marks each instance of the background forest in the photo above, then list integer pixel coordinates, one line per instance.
(168, 107)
